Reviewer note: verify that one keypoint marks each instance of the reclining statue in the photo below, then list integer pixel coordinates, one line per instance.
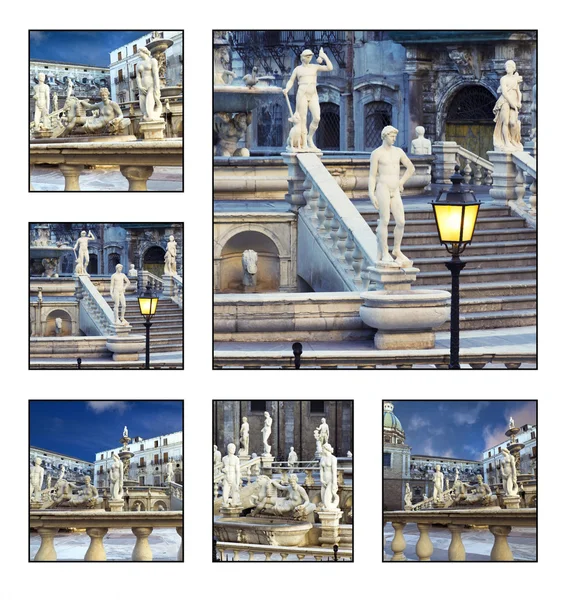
(295, 504)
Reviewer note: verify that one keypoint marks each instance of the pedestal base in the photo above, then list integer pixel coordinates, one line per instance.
(125, 347)
(244, 457)
(392, 278)
(231, 511)
(504, 174)
(330, 527)
(512, 501)
(42, 133)
(116, 505)
(153, 130)
(35, 505)
(404, 341)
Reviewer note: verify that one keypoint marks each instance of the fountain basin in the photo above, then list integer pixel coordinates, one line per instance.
(236, 99)
(262, 530)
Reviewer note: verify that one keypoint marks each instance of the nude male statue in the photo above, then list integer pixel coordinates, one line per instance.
(323, 432)
(385, 189)
(231, 483)
(329, 478)
(307, 96)
(41, 97)
(420, 145)
(83, 258)
(245, 436)
(438, 478)
(36, 480)
(266, 432)
(169, 471)
(118, 285)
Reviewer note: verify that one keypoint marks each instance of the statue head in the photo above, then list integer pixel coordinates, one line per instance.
(249, 261)
(171, 238)
(104, 93)
(438, 467)
(306, 56)
(87, 480)
(480, 479)
(144, 52)
(215, 448)
(119, 268)
(323, 420)
(266, 414)
(293, 481)
(292, 449)
(231, 448)
(37, 461)
(328, 448)
(510, 67)
(420, 130)
(41, 77)
(245, 419)
(83, 233)
(390, 133)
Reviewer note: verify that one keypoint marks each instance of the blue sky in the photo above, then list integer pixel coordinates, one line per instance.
(83, 428)
(460, 429)
(87, 47)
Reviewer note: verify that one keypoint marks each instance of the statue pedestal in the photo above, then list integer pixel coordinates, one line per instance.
(512, 502)
(116, 505)
(266, 462)
(153, 130)
(35, 505)
(244, 457)
(504, 174)
(330, 530)
(231, 511)
(42, 133)
(124, 346)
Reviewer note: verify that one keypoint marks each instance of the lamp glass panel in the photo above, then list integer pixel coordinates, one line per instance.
(145, 305)
(154, 301)
(470, 216)
(449, 219)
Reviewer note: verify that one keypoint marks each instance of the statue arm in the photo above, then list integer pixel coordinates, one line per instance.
(291, 81)
(372, 181)
(409, 168)
(155, 74)
(505, 93)
(90, 235)
(278, 485)
(139, 82)
(112, 284)
(328, 65)
(127, 280)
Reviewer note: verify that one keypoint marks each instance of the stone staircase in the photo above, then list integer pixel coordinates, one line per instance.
(498, 285)
(166, 333)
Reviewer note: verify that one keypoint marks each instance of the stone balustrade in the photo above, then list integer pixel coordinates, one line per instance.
(526, 180)
(173, 288)
(97, 523)
(499, 522)
(176, 490)
(237, 552)
(95, 305)
(475, 169)
(145, 278)
(136, 159)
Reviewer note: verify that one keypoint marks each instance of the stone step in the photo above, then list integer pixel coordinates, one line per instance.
(498, 303)
(443, 277)
(476, 249)
(490, 261)
(172, 321)
(483, 223)
(370, 213)
(425, 238)
(495, 319)
(486, 289)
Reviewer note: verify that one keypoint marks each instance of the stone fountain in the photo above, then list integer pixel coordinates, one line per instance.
(515, 448)
(234, 100)
(125, 456)
(45, 253)
(158, 46)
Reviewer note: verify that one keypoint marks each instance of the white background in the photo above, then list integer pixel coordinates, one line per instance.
(197, 577)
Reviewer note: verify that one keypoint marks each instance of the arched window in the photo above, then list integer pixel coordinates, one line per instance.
(376, 116)
(327, 136)
(270, 125)
(93, 264)
(113, 260)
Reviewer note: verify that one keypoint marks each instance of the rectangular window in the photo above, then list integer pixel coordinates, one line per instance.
(135, 69)
(166, 457)
(101, 470)
(119, 56)
(165, 441)
(533, 435)
(489, 454)
(142, 461)
(387, 459)
(120, 75)
(147, 40)
(258, 405)
(499, 450)
(534, 455)
(156, 459)
(142, 480)
(102, 457)
(317, 407)
(135, 49)
(142, 447)
(156, 444)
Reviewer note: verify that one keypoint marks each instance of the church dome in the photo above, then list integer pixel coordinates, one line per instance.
(390, 421)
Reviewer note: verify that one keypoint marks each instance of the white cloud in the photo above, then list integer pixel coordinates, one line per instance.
(448, 453)
(37, 36)
(524, 414)
(469, 416)
(100, 406)
(417, 422)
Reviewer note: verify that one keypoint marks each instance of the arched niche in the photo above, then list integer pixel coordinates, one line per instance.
(159, 505)
(154, 260)
(231, 270)
(66, 325)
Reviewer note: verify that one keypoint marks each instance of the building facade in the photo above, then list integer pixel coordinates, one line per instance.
(527, 455)
(294, 423)
(148, 465)
(87, 81)
(446, 81)
(54, 462)
(123, 63)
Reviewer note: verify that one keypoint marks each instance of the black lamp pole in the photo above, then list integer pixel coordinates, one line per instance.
(147, 325)
(455, 266)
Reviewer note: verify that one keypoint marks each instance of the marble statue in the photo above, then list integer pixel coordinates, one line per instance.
(147, 78)
(231, 483)
(48, 482)
(323, 432)
(170, 472)
(116, 474)
(55, 105)
(349, 454)
(457, 475)
(266, 432)
(329, 478)
(318, 450)
(87, 495)
(385, 190)
(507, 134)
(171, 257)
(249, 264)
(482, 487)
(420, 145)
(295, 138)
(408, 497)
(295, 503)
(292, 459)
(36, 480)
(534, 113)
(63, 493)
(41, 97)
(125, 432)
(62, 473)
(217, 460)
(230, 129)
(58, 325)
(438, 478)
(509, 474)
(118, 285)
(245, 437)
(307, 96)
(82, 259)
(70, 87)
(511, 423)
(132, 272)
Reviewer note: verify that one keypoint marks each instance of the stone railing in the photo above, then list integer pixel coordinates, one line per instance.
(95, 305)
(173, 288)
(475, 169)
(233, 551)
(526, 180)
(429, 502)
(97, 523)
(499, 522)
(145, 277)
(176, 490)
(335, 225)
(136, 158)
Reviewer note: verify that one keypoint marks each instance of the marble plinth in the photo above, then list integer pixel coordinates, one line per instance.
(153, 130)
(393, 277)
(330, 527)
(116, 505)
(34, 505)
(512, 502)
(125, 347)
(230, 512)
(244, 457)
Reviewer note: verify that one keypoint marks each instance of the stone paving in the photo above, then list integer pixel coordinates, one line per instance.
(477, 542)
(106, 179)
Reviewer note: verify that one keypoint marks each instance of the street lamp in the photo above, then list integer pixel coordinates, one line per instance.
(455, 216)
(148, 304)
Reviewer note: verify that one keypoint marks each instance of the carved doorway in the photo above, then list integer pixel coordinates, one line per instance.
(154, 260)
(469, 119)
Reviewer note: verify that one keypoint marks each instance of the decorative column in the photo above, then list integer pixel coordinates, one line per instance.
(142, 549)
(71, 174)
(424, 548)
(456, 551)
(501, 550)
(398, 543)
(96, 551)
(46, 551)
(137, 177)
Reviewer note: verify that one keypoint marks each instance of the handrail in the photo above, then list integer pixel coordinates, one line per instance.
(96, 306)
(145, 277)
(346, 235)
(525, 162)
(97, 523)
(429, 502)
(301, 552)
(482, 162)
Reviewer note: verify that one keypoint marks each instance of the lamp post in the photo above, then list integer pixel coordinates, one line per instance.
(148, 304)
(455, 216)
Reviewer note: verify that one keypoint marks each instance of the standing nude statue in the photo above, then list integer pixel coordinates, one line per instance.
(245, 437)
(507, 134)
(511, 423)
(116, 478)
(266, 432)
(509, 474)
(385, 189)
(82, 258)
(323, 432)
(125, 432)
(41, 97)
(169, 471)
(171, 257)
(217, 458)
(147, 77)
(307, 96)
(329, 478)
(438, 478)
(231, 483)
(292, 459)
(69, 87)
(118, 285)
(408, 497)
(420, 145)
(36, 480)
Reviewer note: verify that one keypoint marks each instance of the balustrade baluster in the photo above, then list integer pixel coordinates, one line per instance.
(222, 555)
(96, 549)
(142, 549)
(317, 558)
(501, 550)
(488, 180)
(251, 556)
(357, 258)
(313, 203)
(328, 218)
(365, 276)
(533, 197)
(321, 214)
(424, 548)
(307, 195)
(334, 229)
(342, 236)
(340, 477)
(284, 555)
(456, 551)
(467, 171)
(236, 555)
(477, 174)
(46, 551)
(301, 556)
(349, 253)
(520, 186)
(398, 543)
(180, 552)
(268, 556)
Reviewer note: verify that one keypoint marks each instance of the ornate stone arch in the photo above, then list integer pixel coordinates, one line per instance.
(158, 504)
(232, 231)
